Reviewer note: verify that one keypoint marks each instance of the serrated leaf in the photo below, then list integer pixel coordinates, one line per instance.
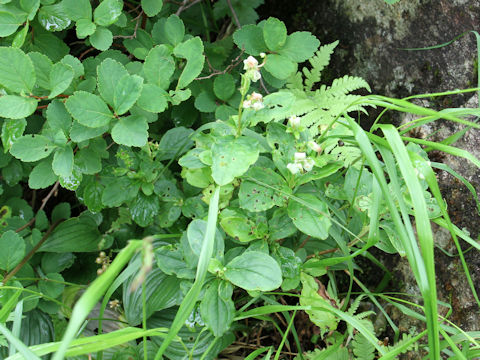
(224, 86)
(205, 102)
(254, 270)
(174, 29)
(11, 131)
(84, 28)
(78, 234)
(232, 157)
(58, 117)
(312, 219)
(274, 33)
(175, 142)
(107, 12)
(17, 107)
(71, 182)
(32, 148)
(76, 65)
(62, 163)
(13, 250)
(280, 66)
(127, 91)
(30, 7)
(102, 38)
(159, 66)
(43, 66)
(192, 51)
(131, 131)
(53, 17)
(42, 175)
(153, 99)
(88, 109)
(250, 38)
(52, 285)
(16, 71)
(152, 7)
(92, 196)
(19, 38)
(9, 23)
(61, 76)
(300, 46)
(77, 9)
(144, 209)
(108, 74)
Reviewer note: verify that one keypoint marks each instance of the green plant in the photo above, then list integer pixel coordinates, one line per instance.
(240, 181)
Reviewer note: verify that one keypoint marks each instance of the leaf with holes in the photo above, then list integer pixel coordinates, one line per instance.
(232, 157)
(270, 190)
(32, 148)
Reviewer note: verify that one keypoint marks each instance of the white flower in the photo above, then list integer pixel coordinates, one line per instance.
(300, 156)
(256, 75)
(256, 96)
(314, 146)
(308, 164)
(294, 168)
(258, 105)
(262, 55)
(294, 121)
(250, 63)
(247, 104)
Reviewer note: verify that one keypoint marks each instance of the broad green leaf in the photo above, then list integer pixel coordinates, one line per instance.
(52, 285)
(84, 28)
(53, 17)
(71, 182)
(238, 225)
(256, 197)
(170, 259)
(232, 157)
(107, 12)
(30, 7)
(310, 216)
(11, 131)
(79, 133)
(196, 235)
(62, 164)
(205, 102)
(175, 142)
(131, 131)
(250, 38)
(152, 7)
(9, 23)
(254, 270)
(126, 93)
(217, 311)
(140, 45)
(79, 234)
(192, 51)
(76, 65)
(102, 38)
(50, 45)
(92, 196)
(43, 66)
(77, 9)
(88, 109)
(162, 291)
(280, 226)
(42, 175)
(109, 73)
(32, 148)
(13, 172)
(13, 250)
(144, 208)
(17, 107)
(20, 37)
(159, 66)
(274, 33)
(16, 71)
(300, 46)
(174, 30)
(280, 66)
(153, 99)
(58, 117)
(61, 75)
(224, 86)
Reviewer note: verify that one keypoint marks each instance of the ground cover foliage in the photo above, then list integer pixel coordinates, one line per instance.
(171, 170)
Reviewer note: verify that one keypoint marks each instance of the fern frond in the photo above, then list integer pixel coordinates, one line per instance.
(318, 63)
(362, 348)
(343, 86)
(405, 338)
(353, 308)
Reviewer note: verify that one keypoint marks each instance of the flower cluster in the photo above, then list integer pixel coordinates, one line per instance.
(301, 163)
(254, 101)
(252, 68)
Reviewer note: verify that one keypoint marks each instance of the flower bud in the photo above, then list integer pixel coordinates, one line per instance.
(294, 121)
(294, 168)
(250, 63)
(314, 146)
(308, 164)
(256, 96)
(300, 156)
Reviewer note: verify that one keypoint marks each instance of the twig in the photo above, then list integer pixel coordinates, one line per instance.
(31, 253)
(44, 203)
(134, 35)
(185, 5)
(234, 14)
(85, 53)
(234, 63)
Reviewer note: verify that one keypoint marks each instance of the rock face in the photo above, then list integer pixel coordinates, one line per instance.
(372, 35)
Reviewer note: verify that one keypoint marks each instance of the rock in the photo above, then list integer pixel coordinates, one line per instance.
(372, 35)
